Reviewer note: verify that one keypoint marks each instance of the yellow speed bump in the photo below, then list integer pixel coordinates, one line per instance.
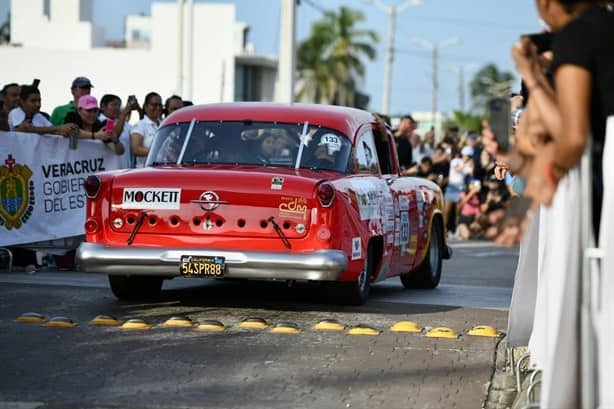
(253, 323)
(405, 326)
(136, 324)
(178, 322)
(329, 325)
(30, 317)
(105, 320)
(362, 329)
(60, 322)
(484, 331)
(210, 325)
(286, 328)
(441, 332)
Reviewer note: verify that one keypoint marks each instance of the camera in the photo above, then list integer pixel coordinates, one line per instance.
(500, 120)
(543, 41)
(132, 100)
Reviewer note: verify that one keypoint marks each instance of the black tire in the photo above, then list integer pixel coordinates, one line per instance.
(131, 288)
(427, 276)
(357, 292)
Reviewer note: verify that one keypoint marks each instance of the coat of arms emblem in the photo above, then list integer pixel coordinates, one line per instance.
(16, 194)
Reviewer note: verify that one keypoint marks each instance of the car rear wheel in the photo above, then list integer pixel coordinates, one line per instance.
(132, 288)
(357, 292)
(429, 273)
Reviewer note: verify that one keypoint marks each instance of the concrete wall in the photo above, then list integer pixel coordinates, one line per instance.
(56, 62)
(68, 26)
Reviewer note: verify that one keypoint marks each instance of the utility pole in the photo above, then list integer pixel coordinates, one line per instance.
(190, 54)
(434, 83)
(434, 47)
(287, 52)
(461, 89)
(392, 12)
(179, 46)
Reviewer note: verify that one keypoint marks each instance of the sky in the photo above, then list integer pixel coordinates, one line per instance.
(485, 29)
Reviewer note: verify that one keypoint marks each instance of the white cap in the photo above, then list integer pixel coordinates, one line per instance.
(467, 151)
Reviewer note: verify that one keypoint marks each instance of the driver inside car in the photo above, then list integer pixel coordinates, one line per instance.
(326, 151)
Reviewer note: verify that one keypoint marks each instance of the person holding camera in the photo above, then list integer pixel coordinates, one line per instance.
(583, 68)
(144, 131)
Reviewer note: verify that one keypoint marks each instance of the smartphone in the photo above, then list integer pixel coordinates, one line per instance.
(110, 125)
(500, 119)
(132, 100)
(543, 41)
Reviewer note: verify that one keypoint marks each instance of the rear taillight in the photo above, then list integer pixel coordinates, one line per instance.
(326, 194)
(92, 186)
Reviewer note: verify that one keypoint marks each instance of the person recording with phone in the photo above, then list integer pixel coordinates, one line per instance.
(583, 69)
(90, 127)
(115, 119)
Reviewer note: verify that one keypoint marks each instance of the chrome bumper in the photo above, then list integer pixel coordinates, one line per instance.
(320, 265)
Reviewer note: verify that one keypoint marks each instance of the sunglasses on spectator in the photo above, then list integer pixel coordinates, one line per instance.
(91, 110)
(155, 105)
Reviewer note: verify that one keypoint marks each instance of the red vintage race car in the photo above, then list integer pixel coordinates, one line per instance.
(265, 191)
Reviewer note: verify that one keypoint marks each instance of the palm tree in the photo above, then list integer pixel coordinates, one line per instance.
(488, 82)
(329, 61)
(5, 31)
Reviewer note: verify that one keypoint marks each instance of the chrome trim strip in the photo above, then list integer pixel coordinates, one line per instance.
(319, 265)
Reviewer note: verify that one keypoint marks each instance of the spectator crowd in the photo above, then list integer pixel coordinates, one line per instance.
(83, 117)
(463, 165)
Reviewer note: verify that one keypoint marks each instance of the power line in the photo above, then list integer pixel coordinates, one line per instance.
(427, 55)
(475, 24)
(315, 5)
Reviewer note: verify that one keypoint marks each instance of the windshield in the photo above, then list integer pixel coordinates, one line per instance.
(251, 143)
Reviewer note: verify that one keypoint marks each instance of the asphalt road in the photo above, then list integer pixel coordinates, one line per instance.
(89, 366)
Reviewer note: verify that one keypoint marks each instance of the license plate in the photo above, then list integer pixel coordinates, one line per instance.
(202, 266)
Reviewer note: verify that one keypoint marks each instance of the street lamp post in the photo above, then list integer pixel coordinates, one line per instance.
(287, 51)
(392, 12)
(434, 47)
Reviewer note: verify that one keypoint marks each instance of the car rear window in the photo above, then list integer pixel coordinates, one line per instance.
(251, 143)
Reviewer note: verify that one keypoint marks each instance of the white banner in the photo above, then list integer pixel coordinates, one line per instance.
(41, 185)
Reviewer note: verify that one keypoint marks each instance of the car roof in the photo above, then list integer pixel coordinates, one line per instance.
(343, 119)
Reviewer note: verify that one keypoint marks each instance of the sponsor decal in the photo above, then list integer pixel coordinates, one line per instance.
(356, 248)
(16, 194)
(367, 197)
(277, 183)
(403, 203)
(293, 208)
(404, 228)
(151, 198)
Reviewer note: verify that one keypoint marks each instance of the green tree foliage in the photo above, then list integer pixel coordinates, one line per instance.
(489, 81)
(466, 122)
(330, 60)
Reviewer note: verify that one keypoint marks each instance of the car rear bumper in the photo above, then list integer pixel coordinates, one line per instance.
(320, 265)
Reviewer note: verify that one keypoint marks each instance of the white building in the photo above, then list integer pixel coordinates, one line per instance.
(56, 41)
